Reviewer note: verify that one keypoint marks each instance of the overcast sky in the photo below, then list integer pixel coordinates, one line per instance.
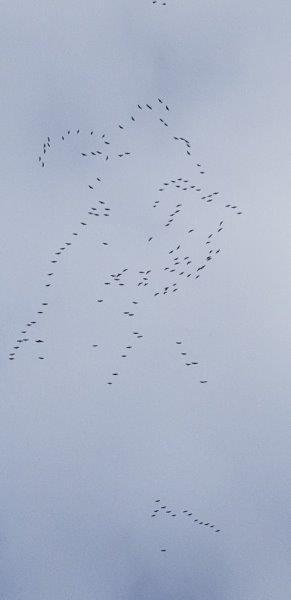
(83, 462)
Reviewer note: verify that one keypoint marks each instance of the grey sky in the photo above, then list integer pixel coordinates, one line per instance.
(81, 463)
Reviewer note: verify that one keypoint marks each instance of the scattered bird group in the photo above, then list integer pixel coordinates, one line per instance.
(141, 286)
(180, 265)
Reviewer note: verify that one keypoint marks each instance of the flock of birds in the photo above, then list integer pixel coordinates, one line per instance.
(179, 267)
(151, 283)
(161, 510)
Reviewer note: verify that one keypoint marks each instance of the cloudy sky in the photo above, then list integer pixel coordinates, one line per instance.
(83, 462)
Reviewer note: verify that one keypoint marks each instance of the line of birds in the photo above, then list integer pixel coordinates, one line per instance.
(164, 510)
(103, 138)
